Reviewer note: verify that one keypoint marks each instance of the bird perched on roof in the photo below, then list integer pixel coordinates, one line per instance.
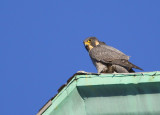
(106, 58)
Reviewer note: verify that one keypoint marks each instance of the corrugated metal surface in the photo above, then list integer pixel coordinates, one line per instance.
(113, 94)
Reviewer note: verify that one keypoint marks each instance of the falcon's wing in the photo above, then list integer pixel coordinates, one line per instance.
(106, 54)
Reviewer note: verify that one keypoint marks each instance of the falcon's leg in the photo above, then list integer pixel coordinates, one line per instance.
(101, 68)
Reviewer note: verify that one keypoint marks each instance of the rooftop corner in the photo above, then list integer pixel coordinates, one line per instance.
(91, 93)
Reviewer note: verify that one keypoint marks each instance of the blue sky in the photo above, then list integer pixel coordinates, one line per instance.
(41, 44)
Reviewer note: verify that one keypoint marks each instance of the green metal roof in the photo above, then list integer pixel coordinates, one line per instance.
(113, 94)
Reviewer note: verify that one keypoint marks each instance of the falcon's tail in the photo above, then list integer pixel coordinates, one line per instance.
(134, 66)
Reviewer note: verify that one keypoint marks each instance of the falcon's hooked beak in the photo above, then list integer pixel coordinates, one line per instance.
(87, 45)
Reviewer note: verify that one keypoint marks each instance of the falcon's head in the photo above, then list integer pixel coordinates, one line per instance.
(91, 42)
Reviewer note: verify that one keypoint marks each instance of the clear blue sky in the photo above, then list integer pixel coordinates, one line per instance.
(41, 44)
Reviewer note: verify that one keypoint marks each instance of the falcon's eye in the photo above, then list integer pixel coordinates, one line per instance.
(89, 40)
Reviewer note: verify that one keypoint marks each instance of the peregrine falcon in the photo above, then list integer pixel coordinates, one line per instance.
(106, 58)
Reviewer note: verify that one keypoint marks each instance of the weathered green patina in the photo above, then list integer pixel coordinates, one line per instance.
(109, 94)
